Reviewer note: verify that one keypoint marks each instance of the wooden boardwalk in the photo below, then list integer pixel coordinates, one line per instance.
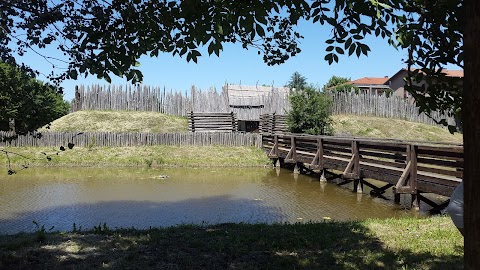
(408, 167)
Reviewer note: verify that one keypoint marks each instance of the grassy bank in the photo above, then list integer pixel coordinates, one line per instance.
(430, 243)
(145, 156)
(379, 127)
(120, 121)
(352, 125)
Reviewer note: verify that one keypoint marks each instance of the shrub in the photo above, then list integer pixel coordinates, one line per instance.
(310, 112)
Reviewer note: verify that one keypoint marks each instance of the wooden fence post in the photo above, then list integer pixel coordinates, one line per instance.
(358, 181)
(413, 178)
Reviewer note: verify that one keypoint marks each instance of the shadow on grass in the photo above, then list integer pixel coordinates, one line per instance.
(328, 245)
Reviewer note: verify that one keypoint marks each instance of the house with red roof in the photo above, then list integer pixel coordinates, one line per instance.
(372, 85)
(396, 83)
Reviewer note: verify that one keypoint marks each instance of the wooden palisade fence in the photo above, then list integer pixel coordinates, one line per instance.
(409, 167)
(212, 122)
(383, 106)
(273, 123)
(146, 98)
(110, 139)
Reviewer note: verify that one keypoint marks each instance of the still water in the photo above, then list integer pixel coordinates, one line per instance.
(140, 198)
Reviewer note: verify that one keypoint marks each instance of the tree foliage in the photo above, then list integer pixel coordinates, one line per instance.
(310, 112)
(108, 37)
(29, 102)
(339, 84)
(297, 81)
(432, 34)
(104, 37)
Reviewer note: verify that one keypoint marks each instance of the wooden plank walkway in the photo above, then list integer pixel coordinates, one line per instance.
(409, 167)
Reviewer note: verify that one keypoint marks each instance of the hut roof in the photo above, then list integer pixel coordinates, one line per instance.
(245, 95)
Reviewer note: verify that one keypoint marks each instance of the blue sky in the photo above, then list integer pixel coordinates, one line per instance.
(236, 65)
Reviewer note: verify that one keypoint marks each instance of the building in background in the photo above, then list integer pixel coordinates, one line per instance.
(395, 83)
(372, 85)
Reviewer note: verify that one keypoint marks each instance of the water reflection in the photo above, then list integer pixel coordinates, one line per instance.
(144, 197)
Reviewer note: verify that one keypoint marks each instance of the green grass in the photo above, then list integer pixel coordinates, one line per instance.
(120, 121)
(379, 127)
(410, 243)
(145, 156)
(352, 125)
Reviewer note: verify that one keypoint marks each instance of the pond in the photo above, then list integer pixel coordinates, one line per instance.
(140, 198)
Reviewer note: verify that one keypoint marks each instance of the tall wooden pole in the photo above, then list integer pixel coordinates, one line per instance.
(471, 134)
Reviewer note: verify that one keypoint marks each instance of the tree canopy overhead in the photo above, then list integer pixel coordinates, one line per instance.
(103, 37)
(108, 37)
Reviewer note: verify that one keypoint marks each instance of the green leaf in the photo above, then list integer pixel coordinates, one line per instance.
(384, 5)
(359, 51)
(352, 49)
(260, 30)
(211, 47)
(339, 50)
(348, 43)
(73, 74)
(219, 29)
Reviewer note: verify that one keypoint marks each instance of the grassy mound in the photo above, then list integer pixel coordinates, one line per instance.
(379, 127)
(120, 121)
(350, 125)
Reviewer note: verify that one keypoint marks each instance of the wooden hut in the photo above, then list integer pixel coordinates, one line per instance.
(249, 102)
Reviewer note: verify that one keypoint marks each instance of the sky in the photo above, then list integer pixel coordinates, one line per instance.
(237, 65)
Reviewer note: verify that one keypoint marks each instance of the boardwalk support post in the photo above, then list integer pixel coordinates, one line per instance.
(292, 154)
(322, 177)
(317, 162)
(358, 185)
(274, 152)
(296, 169)
(278, 163)
(353, 169)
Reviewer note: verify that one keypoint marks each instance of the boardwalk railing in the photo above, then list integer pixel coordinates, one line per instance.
(53, 139)
(212, 122)
(408, 167)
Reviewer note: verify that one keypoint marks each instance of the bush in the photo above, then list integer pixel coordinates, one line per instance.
(310, 112)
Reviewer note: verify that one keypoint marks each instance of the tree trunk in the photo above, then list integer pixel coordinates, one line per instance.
(471, 134)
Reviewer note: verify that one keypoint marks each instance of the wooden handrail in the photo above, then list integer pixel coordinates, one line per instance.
(404, 165)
